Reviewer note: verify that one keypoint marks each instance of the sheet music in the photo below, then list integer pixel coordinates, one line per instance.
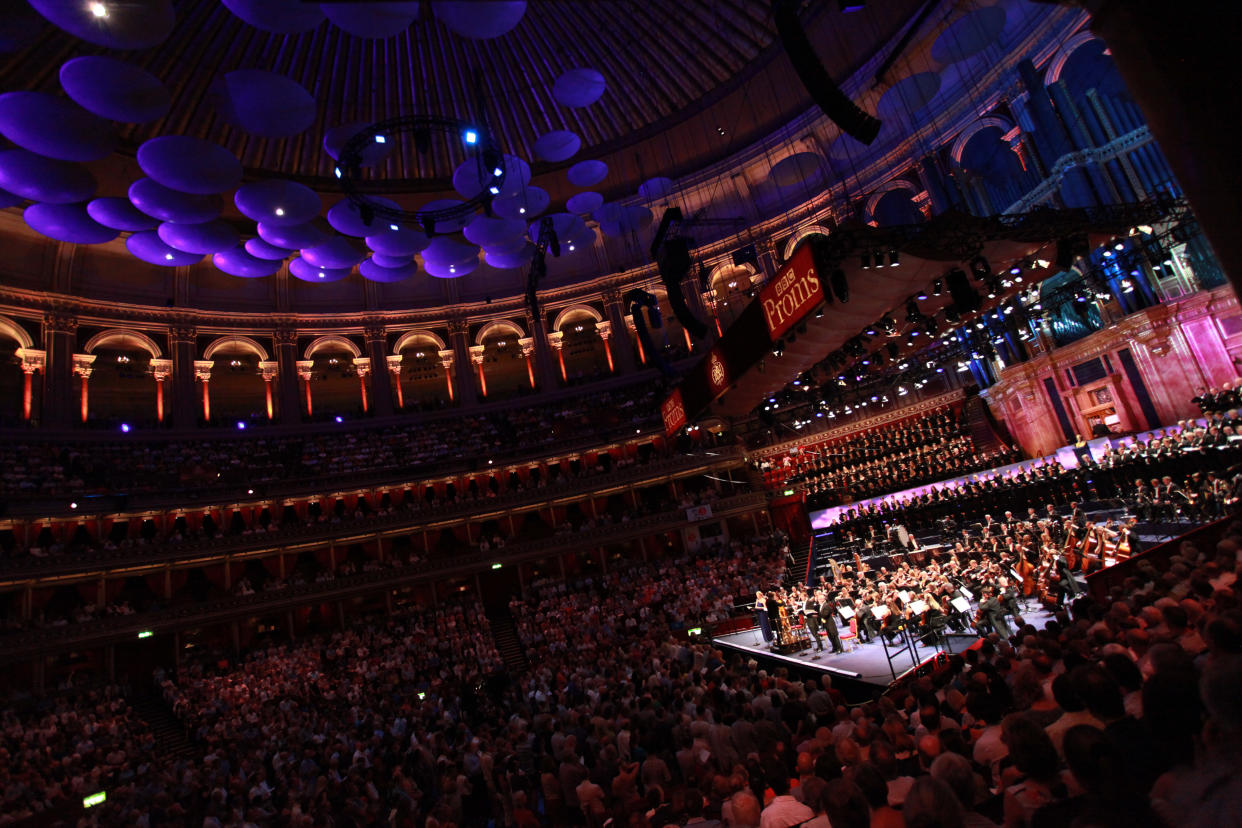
(880, 612)
(918, 607)
(904, 595)
(846, 612)
(960, 604)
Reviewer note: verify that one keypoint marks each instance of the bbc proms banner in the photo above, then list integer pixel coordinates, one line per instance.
(699, 512)
(795, 292)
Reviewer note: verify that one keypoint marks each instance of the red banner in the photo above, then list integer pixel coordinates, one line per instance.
(795, 291)
(674, 412)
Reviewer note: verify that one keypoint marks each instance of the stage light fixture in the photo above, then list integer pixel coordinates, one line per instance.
(865, 260)
(894, 258)
(938, 287)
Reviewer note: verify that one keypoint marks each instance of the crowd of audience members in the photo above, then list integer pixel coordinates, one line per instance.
(1123, 711)
(1197, 459)
(33, 467)
(918, 450)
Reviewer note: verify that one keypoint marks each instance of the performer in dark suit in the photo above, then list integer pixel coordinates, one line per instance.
(810, 616)
(828, 618)
(1069, 587)
(993, 613)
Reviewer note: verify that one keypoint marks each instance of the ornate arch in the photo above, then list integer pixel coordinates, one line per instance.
(883, 190)
(104, 337)
(15, 331)
(243, 342)
(498, 326)
(963, 137)
(1071, 44)
(410, 337)
(329, 341)
(574, 311)
(726, 269)
(799, 235)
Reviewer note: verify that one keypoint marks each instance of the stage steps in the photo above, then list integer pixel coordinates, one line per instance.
(172, 740)
(504, 633)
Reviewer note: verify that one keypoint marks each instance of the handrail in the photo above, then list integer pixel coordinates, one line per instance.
(121, 627)
(281, 538)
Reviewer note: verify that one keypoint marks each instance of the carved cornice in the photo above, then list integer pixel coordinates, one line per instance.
(60, 321)
(181, 331)
(32, 359)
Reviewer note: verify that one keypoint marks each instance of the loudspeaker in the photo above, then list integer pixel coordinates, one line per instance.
(819, 84)
(965, 297)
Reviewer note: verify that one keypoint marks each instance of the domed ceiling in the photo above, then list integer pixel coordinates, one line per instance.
(155, 118)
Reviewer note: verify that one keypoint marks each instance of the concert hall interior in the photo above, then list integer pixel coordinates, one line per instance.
(519, 413)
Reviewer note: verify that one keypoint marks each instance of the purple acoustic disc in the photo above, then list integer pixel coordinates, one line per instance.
(400, 242)
(336, 252)
(335, 139)
(391, 261)
(584, 240)
(373, 271)
(587, 173)
(448, 251)
(479, 19)
(584, 203)
(307, 272)
(372, 21)
(264, 103)
(486, 231)
(450, 270)
(208, 237)
(579, 87)
(299, 235)
(114, 89)
(508, 259)
(36, 178)
(277, 16)
(148, 246)
(67, 223)
(55, 127)
(558, 145)
(452, 225)
(190, 164)
(656, 188)
(262, 250)
(237, 262)
(277, 203)
(119, 214)
(565, 225)
(133, 24)
(154, 199)
(345, 217)
(524, 206)
(470, 177)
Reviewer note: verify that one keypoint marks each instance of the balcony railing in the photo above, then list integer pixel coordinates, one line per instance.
(47, 640)
(401, 520)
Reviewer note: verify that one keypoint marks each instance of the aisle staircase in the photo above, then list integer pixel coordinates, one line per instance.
(172, 741)
(985, 431)
(504, 633)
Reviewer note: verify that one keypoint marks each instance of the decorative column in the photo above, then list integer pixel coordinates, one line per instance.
(605, 333)
(630, 326)
(623, 358)
(362, 366)
(446, 362)
(286, 340)
(202, 372)
(557, 340)
(527, 344)
(394, 370)
(476, 357)
(161, 369)
(82, 367)
(269, 371)
(32, 361)
(60, 340)
(182, 339)
(381, 386)
(544, 368)
(305, 369)
(459, 331)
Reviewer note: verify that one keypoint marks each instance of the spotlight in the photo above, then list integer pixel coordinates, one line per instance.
(497, 172)
(125, 428)
(471, 137)
(339, 418)
(336, 171)
(1119, 246)
(393, 227)
(1043, 264)
(99, 10)
(937, 287)
(894, 258)
(380, 139)
(494, 190)
(240, 425)
(922, 296)
(280, 211)
(1015, 271)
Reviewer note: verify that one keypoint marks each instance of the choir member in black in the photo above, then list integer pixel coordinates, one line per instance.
(828, 617)
(993, 614)
(810, 617)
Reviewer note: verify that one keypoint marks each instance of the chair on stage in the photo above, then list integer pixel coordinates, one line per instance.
(850, 639)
